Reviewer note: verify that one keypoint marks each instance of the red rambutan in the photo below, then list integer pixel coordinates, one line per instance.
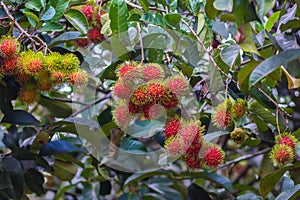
(140, 96)
(88, 11)
(156, 91)
(133, 108)
(28, 96)
(122, 90)
(95, 35)
(173, 147)
(121, 115)
(78, 78)
(282, 154)
(128, 72)
(193, 161)
(191, 136)
(178, 85)
(82, 42)
(58, 77)
(213, 156)
(287, 139)
(10, 65)
(152, 71)
(153, 111)
(9, 47)
(172, 127)
(170, 100)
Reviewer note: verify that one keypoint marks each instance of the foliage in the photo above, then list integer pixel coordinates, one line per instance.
(240, 58)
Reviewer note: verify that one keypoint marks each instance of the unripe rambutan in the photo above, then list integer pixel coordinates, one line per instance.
(213, 156)
(170, 100)
(58, 77)
(193, 161)
(140, 96)
(128, 71)
(178, 85)
(95, 35)
(10, 65)
(52, 61)
(222, 117)
(239, 108)
(191, 136)
(44, 83)
(28, 95)
(173, 147)
(69, 63)
(31, 62)
(172, 127)
(121, 115)
(78, 78)
(22, 77)
(152, 71)
(156, 91)
(238, 135)
(82, 42)
(282, 154)
(287, 139)
(9, 47)
(88, 12)
(123, 90)
(153, 111)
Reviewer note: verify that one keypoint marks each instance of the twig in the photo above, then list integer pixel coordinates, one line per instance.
(40, 41)
(64, 100)
(206, 50)
(141, 42)
(141, 8)
(245, 157)
(277, 121)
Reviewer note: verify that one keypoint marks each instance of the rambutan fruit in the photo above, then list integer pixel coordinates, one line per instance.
(169, 100)
(238, 135)
(95, 35)
(239, 108)
(213, 156)
(82, 42)
(121, 115)
(9, 47)
(191, 136)
(69, 63)
(140, 96)
(88, 12)
(78, 78)
(28, 95)
(172, 127)
(156, 91)
(52, 61)
(152, 71)
(287, 139)
(153, 111)
(133, 108)
(31, 62)
(173, 147)
(43, 82)
(178, 85)
(193, 161)
(281, 155)
(22, 76)
(97, 20)
(122, 90)
(222, 117)
(10, 65)
(129, 71)
(58, 77)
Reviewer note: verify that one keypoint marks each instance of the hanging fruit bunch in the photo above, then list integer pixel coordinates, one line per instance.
(36, 73)
(93, 15)
(143, 92)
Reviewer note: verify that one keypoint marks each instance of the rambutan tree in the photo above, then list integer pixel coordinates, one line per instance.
(149, 100)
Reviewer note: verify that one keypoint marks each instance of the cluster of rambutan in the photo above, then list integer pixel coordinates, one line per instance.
(93, 15)
(185, 139)
(284, 150)
(227, 112)
(142, 90)
(35, 72)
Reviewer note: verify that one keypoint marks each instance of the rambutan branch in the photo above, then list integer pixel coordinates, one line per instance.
(30, 37)
(141, 42)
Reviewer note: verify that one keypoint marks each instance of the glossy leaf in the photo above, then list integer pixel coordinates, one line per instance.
(65, 37)
(58, 147)
(78, 20)
(49, 14)
(195, 191)
(35, 5)
(132, 146)
(20, 117)
(145, 4)
(118, 14)
(140, 176)
(210, 10)
(56, 108)
(272, 19)
(223, 5)
(34, 181)
(268, 66)
(64, 170)
(248, 44)
(172, 20)
(229, 54)
(290, 194)
(60, 7)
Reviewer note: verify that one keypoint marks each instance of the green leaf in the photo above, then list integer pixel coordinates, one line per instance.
(195, 6)
(58, 147)
(137, 177)
(56, 108)
(248, 44)
(290, 194)
(60, 7)
(195, 191)
(133, 146)
(62, 190)
(145, 4)
(248, 197)
(52, 26)
(264, 6)
(172, 20)
(77, 2)
(269, 181)
(65, 37)
(229, 54)
(294, 23)
(244, 12)
(244, 73)
(32, 16)
(35, 5)
(118, 14)
(270, 65)
(210, 10)
(34, 181)
(271, 21)
(49, 14)
(223, 5)
(216, 178)
(64, 170)
(78, 20)
(20, 117)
